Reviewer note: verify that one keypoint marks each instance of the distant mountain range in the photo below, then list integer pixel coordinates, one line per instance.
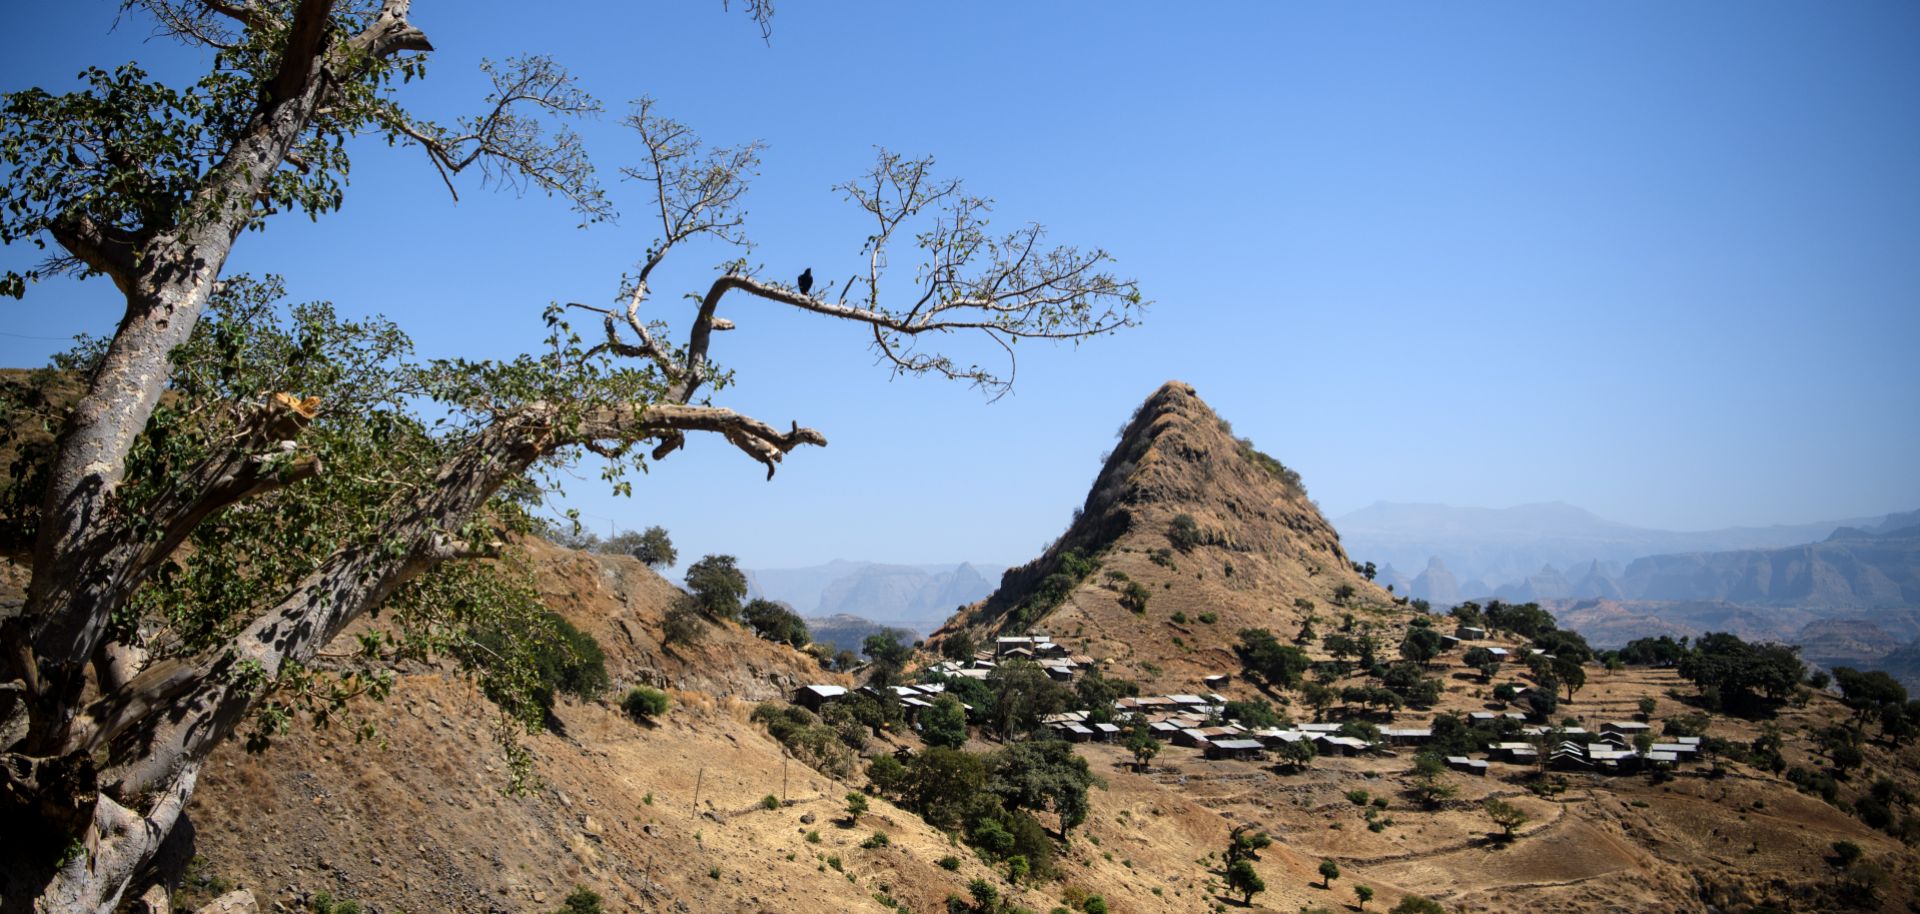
(1557, 551)
(1847, 592)
(912, 597)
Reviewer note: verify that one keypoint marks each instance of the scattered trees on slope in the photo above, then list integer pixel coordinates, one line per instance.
(1734, 674)
(991, 798)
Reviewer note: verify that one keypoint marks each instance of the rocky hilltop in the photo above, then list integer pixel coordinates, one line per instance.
(1185, 521)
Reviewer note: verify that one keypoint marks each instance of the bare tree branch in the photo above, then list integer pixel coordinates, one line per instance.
(511, 148)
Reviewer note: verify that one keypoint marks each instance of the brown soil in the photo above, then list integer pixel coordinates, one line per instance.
(421, 825)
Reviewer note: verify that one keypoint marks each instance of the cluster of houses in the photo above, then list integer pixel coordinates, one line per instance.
(1183, 721)
(1061, 664)
(913, 698)
(1611, 751)
(1194, 721)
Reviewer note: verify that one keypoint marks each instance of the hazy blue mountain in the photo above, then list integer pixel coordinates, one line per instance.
(1851, 569)
(1507, 546)
(1436, 584)
(1391, 577)
(1546, 584)
(914, 597)
(1598, 581)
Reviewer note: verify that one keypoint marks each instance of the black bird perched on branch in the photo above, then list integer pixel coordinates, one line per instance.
(806, 281)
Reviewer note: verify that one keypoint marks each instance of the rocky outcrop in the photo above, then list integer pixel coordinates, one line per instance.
(1198, 523)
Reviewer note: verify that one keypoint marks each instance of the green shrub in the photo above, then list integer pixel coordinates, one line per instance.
(325, 903)
(876, 840)
(1183, 532)
(581, 900)
(950, 863)
(814, 742)
(769, 802)
(644, 703)
(856, 805)
(1209, 618)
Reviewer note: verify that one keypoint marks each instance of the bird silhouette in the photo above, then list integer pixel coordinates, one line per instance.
(806, 281)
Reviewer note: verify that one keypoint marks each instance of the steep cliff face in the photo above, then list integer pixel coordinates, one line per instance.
(1851, 570)
(1199, 531)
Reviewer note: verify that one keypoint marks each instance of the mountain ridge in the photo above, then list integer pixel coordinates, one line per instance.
(1506, 545)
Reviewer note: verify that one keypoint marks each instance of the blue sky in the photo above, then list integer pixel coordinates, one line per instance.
(1658, 260)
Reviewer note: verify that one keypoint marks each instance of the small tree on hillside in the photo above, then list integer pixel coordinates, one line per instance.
(856, 807)
(1271, 663)
(1183, 533)
(651, 546)
(1242, 878)
(1421, 645)
(1570, 673)
(1329, 871)
(985, 895)
(1507, 816)
(945, 723)
(719, 586)
(887, 652)
(1429, 770)
(1484, 660)
(655, 547)
(1364, 894)
(1296, 755)
(1244, 843)
(1319, 697)
(684, 623)
(1142, 743)
(775, 622)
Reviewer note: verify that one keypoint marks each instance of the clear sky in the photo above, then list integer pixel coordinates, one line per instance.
(1658, 260)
